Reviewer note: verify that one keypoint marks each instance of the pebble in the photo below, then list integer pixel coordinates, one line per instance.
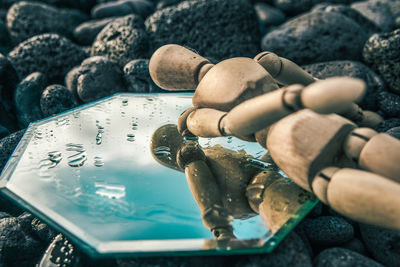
(16, 245)
(120, 8)
(122, 40)
(7, 146)
(218, 29)
(387, 124)
(369, 26)
(383, 244)
(27, 98)
(5, 41)
(8, 81)
(291, 252)
(71, 81)
(26, 19)
(327, 230)
(55, 99)
(166, 3)
(84, 5)
(355, 245)
(86, 32)
(47, 53)
(395, 132)
(137, 77)
(341, 257)
(354, 69)
(389, 103)
(376, 11)
(197, 261)
(293, 7)
(3, 131)
(99, 77)
(316, 37)
(268, 16)
(382, 52)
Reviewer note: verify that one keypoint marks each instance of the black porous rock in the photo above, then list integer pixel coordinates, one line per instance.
(218, 29)
(389, 103)
(71, 81)
(86, 32)
(369, 26)
(84, 5)
(341, 257)
(27, 98)
(355, 245)
(317, 210)
(298, 6)
(4, 215)
(291, 252)
(387, 124)
(7, 146)
(42, 230)
(166, 3)
(327, 230)
(55, 99)
(382, 51)
(352, 69)
(196, 261)
(122, 40)
(395, 132)
(8, 81)
(376, 11)
(5, 41)
(316, 37)
(50, 54)
(137, 77)
(383, 244)
(3, 131)
(16, 245)
(122, 8)
(268, 16)
(99, 77)
(26, 19)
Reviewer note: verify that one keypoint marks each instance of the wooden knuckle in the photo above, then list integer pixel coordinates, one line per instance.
(188, 154)
(182, 122)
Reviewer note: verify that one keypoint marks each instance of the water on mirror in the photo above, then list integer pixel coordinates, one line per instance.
(108, 175)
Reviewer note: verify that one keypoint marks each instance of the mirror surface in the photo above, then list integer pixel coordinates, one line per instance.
(101, 176)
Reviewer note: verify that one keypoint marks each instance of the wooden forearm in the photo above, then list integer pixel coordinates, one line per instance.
(283, 70)
(363, 196)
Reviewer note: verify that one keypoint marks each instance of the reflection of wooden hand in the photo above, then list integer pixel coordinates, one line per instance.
(241, 97)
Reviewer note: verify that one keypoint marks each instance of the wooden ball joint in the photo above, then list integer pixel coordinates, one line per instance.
(309, 126)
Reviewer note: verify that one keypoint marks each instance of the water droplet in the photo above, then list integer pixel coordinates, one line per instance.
(79, 158)
(150, 99)
(112, 191)
(229, 139)
(259, 163)
(124, 102)
(99, 138)
(98, 161)
(130, 137)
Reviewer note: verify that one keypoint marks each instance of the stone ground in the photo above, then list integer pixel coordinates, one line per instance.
(58, 54)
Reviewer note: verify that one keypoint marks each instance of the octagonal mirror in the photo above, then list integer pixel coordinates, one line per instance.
(105, 175)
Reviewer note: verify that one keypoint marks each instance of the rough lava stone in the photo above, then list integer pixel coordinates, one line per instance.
(316, 37)
(395, 132)
(86, 32)
(42, 230)
(355, 245)
(99, 77)
(50, 54)
(376, 11)
(15, 243)
(382, 51)
(389, 103)
(26, 19)
(290, 252)
(387, 124)
(5, 41)
(327, 230)
(7, 146)
(3, 131)
(27, 99)
(166, 3)
(122, 40)
(298, 6)
(341, 257)
(268, 16)
(218, 29)
(71, 81)
(84, 5)
(383, 244)
(369, 26)
(55, 99)
(353, 69)
(195, 261)
(8, 81)
(137, 77)
(122, 8)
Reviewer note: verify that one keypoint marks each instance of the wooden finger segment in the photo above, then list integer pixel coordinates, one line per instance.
(174, 67)
(365, 197)
(283, 70)
(333, 95)
(204, 122)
